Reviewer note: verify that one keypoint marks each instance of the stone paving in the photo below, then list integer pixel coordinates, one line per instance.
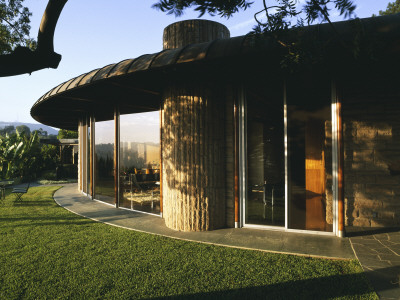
(379, 255)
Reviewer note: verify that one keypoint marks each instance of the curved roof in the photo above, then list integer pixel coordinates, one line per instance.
(136, 84)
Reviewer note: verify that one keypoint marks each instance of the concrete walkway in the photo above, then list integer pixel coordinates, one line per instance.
(378, 252)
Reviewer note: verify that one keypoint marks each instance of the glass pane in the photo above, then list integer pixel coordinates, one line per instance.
(310, 154)
(104, 161)
(140, 162)
(265, 203)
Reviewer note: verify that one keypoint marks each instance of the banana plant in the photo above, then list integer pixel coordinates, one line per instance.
(18, 155)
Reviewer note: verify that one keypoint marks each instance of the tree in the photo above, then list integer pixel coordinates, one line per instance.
(392, 8)
(41, 133)
(23, 129)
(7, 130)
(281, 18)
(14, 26)
(220, 7)
(20, 156)
(67, 134)
(283, 15)
(19, 53)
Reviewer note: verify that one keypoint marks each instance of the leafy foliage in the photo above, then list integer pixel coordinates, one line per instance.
(222, 8)
(274, 19)
(14, 26)
(42, 133)
(22, 155)
(19, 155)
(67, 134)
(23, 129)
(287, 13)
(392, 8)
(7, 130)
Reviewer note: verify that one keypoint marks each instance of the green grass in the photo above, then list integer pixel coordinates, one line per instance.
(47, 252)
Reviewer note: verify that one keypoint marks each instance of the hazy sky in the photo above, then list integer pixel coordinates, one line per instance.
(92, 34)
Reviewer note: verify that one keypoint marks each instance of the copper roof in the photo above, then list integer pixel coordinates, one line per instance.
(136, 84)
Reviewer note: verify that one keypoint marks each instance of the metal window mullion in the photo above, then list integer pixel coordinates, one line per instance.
(92, 147)
(117, 155)
(242, 155)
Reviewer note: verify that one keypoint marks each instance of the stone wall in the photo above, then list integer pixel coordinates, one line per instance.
(371, 124)
(328, 173)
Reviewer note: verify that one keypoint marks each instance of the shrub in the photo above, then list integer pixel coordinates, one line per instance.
(67, 171)
(49, 175)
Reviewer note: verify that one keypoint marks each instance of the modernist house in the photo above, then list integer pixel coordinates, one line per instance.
(245, 139)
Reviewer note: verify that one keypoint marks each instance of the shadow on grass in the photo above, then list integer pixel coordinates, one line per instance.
(336, 286)
(42, 221)
(32, 203)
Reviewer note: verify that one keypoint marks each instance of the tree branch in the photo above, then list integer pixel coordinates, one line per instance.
(22, 60)
(13, 27)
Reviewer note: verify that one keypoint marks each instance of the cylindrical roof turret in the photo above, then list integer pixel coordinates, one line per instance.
(187, 32)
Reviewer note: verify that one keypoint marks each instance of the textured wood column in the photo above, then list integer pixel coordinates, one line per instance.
(193, 159)
(187, 32)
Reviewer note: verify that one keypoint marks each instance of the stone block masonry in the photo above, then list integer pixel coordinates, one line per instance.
(371, 117)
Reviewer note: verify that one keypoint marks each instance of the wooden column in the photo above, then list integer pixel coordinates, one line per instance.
(193, 158)
(187, 32)
(236, 143)
(84, 157)
(341, 231)
(161, 161)
(80, 148)
(193, 141)
(91, 157)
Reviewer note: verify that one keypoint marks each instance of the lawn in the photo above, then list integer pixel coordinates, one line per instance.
(47, 252)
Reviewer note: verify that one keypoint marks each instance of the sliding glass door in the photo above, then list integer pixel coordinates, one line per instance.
(140, 162)
(265, 203)
(289, 155)
(309, 135)
(104, 161)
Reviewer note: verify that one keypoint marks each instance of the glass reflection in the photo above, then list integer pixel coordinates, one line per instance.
(310, 155)
(265, 203)
(140, 162)
(104, 161)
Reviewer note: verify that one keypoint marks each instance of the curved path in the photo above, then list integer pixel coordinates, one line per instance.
(272, 241)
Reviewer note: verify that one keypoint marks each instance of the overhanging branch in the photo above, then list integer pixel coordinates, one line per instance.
(22, 60)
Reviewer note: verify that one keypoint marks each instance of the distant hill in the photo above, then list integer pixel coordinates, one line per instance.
(31, 126)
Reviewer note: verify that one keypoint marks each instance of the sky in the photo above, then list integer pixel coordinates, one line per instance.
(92, 34)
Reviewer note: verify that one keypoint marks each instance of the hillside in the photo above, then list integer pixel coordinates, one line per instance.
(31, 126)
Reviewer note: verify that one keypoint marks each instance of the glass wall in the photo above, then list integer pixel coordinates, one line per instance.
(104, 161)
(307, 175)
(140, 162)
(265, 203)
(310, 154)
